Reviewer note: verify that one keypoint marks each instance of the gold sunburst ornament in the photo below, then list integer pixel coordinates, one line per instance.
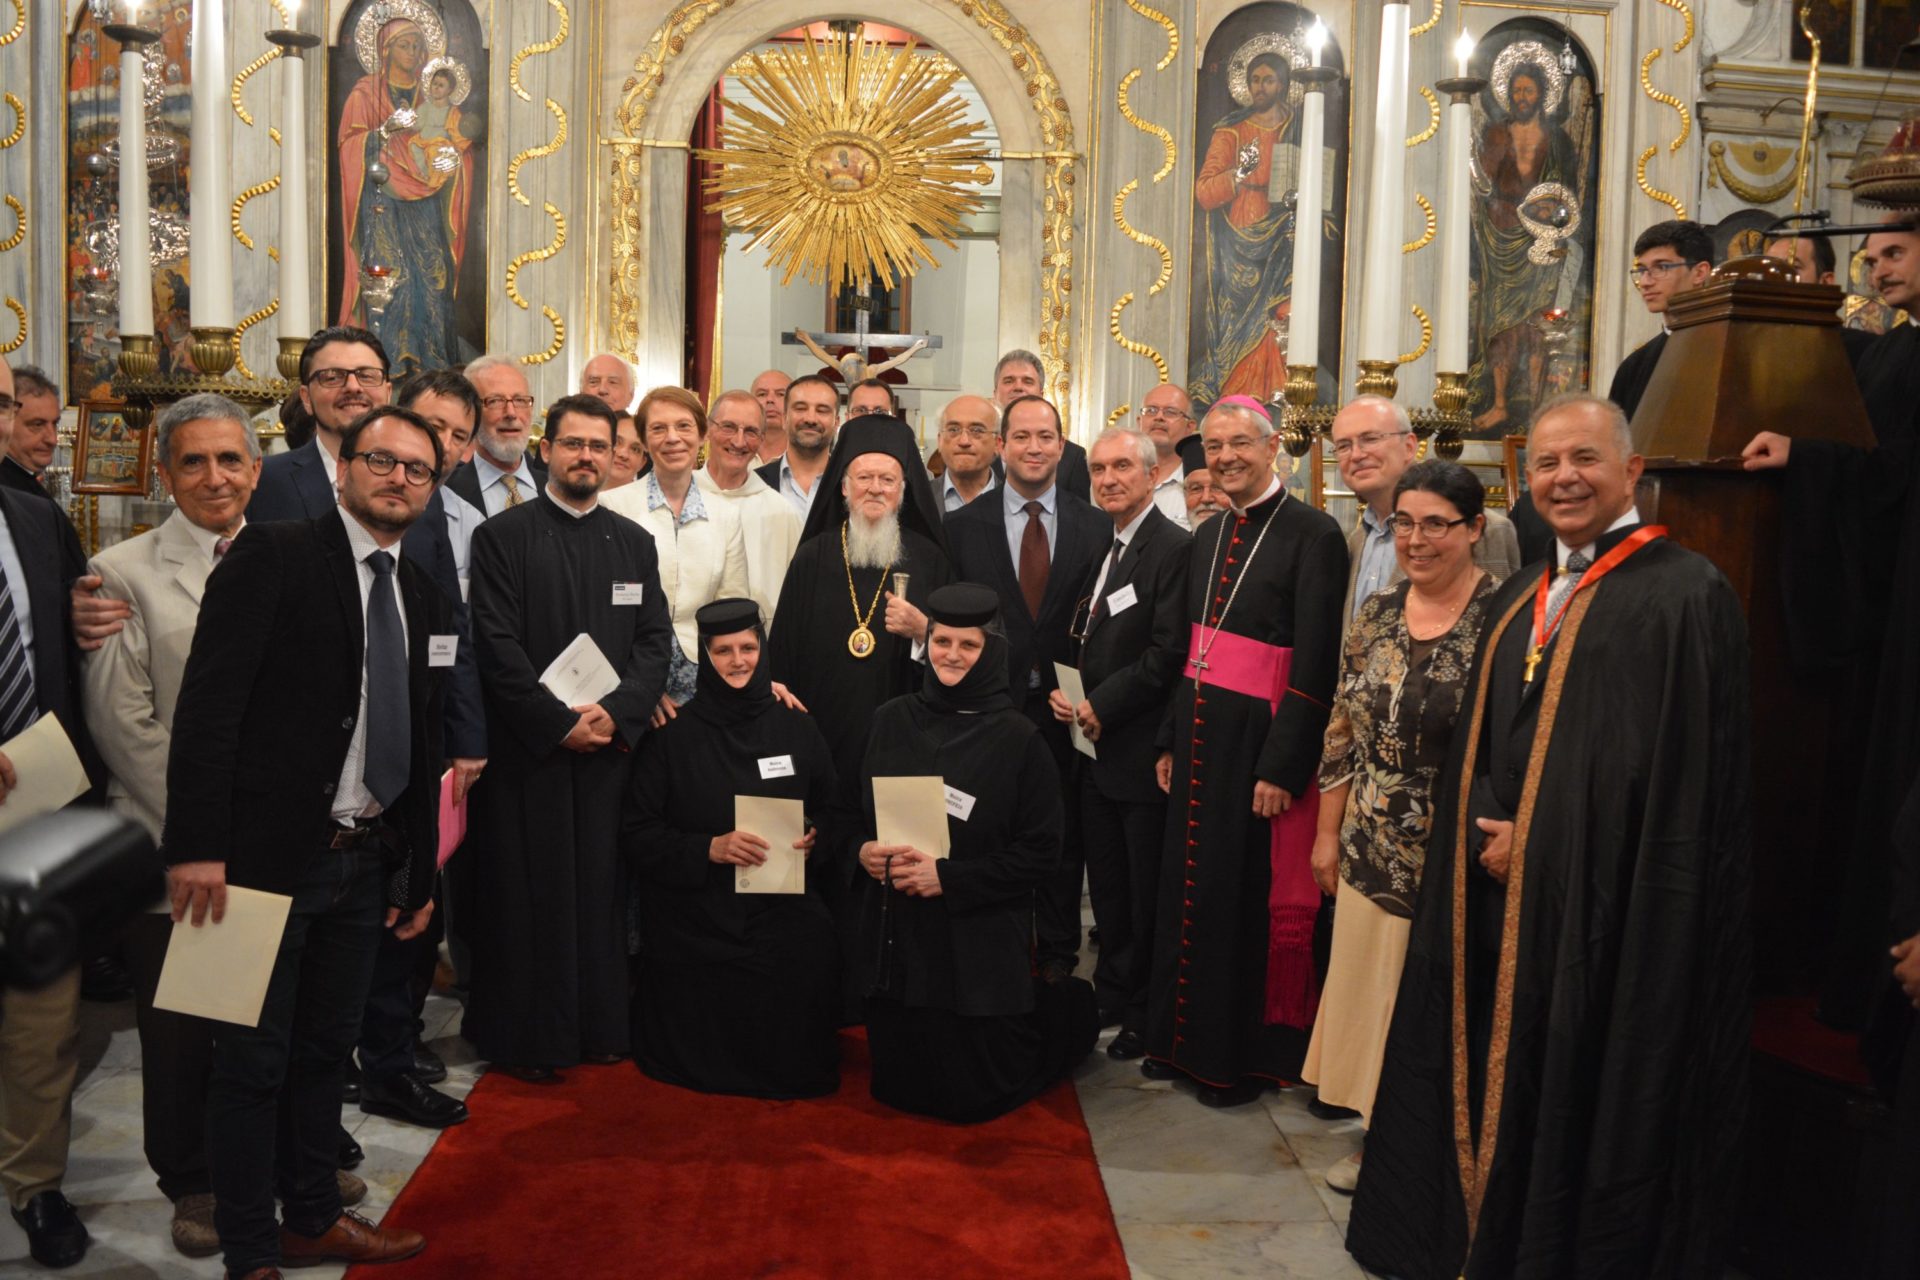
(860, 155)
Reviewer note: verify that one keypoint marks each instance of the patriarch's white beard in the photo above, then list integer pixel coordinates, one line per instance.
(873, 544)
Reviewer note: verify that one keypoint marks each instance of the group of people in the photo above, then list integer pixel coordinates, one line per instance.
(1456, 833)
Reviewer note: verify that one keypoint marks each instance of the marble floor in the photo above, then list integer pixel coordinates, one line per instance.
(1198, 1194)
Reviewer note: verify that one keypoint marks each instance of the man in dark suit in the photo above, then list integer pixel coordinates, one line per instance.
(502, 472)
(39, 676)
(1132, 642)
(1017, 374)
(343, 373)
(1037, 546)
(36, 431)
(1668, 258)
(316, 779)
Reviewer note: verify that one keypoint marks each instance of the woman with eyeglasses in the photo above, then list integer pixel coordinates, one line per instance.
(1403, 679)
(703, 549)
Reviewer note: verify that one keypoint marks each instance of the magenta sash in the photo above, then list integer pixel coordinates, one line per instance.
(1259, 670)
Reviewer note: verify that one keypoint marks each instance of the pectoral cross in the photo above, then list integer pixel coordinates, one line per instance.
(1533, 660)
(1198, 664)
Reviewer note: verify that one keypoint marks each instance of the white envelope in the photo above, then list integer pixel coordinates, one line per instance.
(779, 823)
(1069, 678)
(220, 971)
(47, 772)
(912, 812)
(581, 674)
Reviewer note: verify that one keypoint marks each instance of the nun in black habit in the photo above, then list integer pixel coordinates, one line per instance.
(733, 992)
(959, 1027)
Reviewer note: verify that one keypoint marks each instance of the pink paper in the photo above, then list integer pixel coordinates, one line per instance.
(453, 819)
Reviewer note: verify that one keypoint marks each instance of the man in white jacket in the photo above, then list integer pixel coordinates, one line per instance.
(735, 429)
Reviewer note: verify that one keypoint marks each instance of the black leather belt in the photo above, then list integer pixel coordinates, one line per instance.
(363, 832)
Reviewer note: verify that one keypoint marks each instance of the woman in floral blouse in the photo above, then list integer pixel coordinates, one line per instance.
(1403, 681)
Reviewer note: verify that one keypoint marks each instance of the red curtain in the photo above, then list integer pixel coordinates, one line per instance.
(704, 235)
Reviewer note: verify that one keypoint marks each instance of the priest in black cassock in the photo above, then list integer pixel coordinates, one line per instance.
(960, 1027)
(549, 985)
(1233, 989)
(847, 641)
(734, 992)
(1565, 1077)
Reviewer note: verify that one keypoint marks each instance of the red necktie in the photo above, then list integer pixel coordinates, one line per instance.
(1033, 560)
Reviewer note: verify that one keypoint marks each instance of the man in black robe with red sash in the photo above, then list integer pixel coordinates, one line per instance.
(1565, 1077)
(1233, 990)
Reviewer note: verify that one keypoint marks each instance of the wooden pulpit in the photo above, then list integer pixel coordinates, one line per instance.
(1753, 351)
(1756, 351)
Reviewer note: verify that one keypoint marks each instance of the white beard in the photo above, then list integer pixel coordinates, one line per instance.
(873, 544)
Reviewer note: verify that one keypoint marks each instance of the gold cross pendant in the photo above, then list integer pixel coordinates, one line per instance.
(1533, 660)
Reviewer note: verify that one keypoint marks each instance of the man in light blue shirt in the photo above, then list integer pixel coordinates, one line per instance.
(969, 442)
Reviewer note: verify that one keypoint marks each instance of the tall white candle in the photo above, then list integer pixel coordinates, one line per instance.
(136, 237)
(210, 185)
(296, 299)
(1456, 222)
(1303, 327)
(1386, 213)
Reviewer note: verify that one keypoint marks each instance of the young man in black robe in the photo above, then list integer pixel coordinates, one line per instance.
(1233, 988)
(846, 641)
(733, 992)
(1565, 1077)
(549, 984)
(959, 1026)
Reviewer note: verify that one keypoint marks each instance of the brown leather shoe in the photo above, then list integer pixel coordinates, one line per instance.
(352, 1189)
(351, 1238)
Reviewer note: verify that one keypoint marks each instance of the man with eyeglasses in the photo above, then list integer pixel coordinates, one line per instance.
(1373, 445)
(36, 431)
(323, 787)
(343, 374)
(872, 395)
(1233, 987)
(501, 473)
(734, 432)
(1668, 258)
(969, 448)
(1166, 415)
(549, 987)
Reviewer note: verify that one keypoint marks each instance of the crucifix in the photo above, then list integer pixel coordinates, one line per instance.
(853, 366)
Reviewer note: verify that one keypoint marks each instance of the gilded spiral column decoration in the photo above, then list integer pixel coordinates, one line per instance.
(13, 32)
(1169, 148)
(1170, 156)
(549, 45)
(12, 139)
(1128, 344)
(1426, 335)
(19, 338)
(236, 95)
(1141, 238)
(1433, 20)
(19, 120)
(1433, 226)
(1669, 100)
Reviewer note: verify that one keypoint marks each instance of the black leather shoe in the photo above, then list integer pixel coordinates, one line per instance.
(55, 1235)
(350, 1088)
(1327, 1111)
(1154, 1069)
(404, 1098)
(104, 980)
(1054, 971)
(1238, 1095)
(528, 1075)
(428, 1068)
(1126, 1047)
(351, 1153)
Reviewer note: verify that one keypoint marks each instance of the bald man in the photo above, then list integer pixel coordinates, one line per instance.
(609, 378)
(770, 389)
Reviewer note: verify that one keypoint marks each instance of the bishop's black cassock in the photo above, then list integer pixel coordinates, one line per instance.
(1233, 989)
(550, 890)
(1565, 1076)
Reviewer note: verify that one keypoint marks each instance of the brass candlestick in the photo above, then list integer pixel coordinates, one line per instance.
(212, 349)
(137, 356)
(288, 361)
(1376, 378)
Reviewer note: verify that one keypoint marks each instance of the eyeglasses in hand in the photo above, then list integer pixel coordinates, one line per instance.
(382, 463)
(334, 379)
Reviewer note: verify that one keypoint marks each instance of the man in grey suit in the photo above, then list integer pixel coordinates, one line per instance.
(1374, 444)
(209, 461)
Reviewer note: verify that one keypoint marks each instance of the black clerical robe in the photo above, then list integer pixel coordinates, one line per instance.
(1264, 596)
(1565, 1076)
(958, 1026)
(1635, 372)
(549, 983)
(733, 992)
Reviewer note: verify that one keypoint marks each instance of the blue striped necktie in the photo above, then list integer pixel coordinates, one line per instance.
(18, 706)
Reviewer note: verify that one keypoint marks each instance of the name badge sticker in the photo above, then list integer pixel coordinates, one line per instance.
(776, 767)
(959, 804)
(1123, 599)
(440, 650)
(628, 592)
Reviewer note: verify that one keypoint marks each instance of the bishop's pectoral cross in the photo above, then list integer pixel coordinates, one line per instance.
(1533, 661)
(853, 366)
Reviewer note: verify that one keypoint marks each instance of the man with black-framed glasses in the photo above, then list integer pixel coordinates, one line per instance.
(1668, 258)
(1373, 445)
(343, 374)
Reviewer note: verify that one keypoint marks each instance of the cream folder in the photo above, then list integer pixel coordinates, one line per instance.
(220, 971)
(779, 823)
(912, 812)
(47, 773)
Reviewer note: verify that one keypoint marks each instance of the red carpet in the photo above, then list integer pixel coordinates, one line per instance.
(614, 1174)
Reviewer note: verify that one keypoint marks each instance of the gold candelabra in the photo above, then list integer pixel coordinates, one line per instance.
(144, 390)
(1302, 416)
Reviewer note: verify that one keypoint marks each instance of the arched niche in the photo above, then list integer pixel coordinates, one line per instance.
(652, 99)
